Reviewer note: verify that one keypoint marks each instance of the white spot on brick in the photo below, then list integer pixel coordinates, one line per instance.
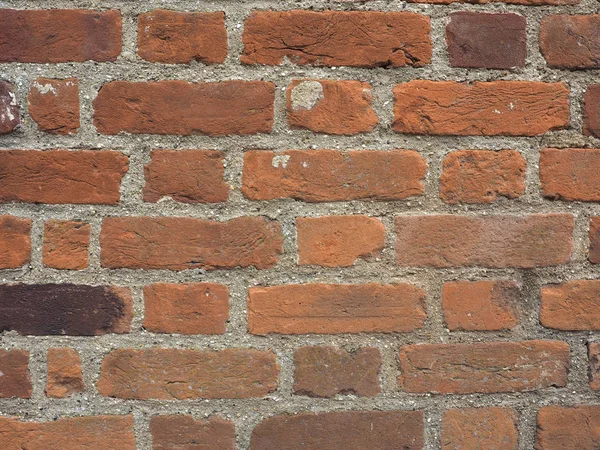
(280, 160)
(44, 89)
(306, 95)
(304, 164)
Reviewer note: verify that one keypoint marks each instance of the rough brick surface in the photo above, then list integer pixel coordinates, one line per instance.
(333, 107)
(169, 373)
(331, 176)
(486, 41)
(349, 430)
(480, 429)
(594, 365)
(489, 241)
(338, 241)
(482, 176)
(64, 373)
(514, 2)
(179, 432)
(483, 367)
(594, 236)
(59, 35)
(174, 37)
(571, 41)
(188, 176)
(335, 308)
(66, 244)
(54, 105)
(9, 108)
(61, 176)
(192, 308)
(480, 305)
(179, 243)
(568, 428)
(180, 107)
(573, 305)
(327, 371)
(15, 380)
(505, 108)
(337, 38)
(79, 433)
(15, 242)
(570, 173)
(591, 111)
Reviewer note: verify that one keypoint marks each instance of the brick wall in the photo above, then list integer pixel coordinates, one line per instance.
(299, 225)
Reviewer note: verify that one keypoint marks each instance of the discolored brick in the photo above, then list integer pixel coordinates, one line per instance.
(10, 116)
(480, 429)
(179, 432)
(64, 373)
(15, 242)
(54, 105)
(15, 380)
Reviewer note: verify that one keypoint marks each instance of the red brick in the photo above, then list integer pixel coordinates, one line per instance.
(327, 371)
(335, 308)
(61, 176)
(486, 41)
(179, 243)
(568, 428)
(487, 368)
(537, 240)
(571, 42)
(173, 37)
(15, 380)
(594, 251)
(338, 241)
(513, 2)
(15, 242)
(10, 116)
(79, 433)
(498, 108)
(169, 373)
(54, 105)
(331, 175)
(573, 305)
(591, 111)
(64, 373)
(570, 173)
(179, 107)
(480, 305)
(480, 428)
(66, 244)
(594, 365)
(188, 176)
(337, 38)
(179, 432)
(482, 176)
(333, 107)
(59, 35)
(191, 308)
(343, 430)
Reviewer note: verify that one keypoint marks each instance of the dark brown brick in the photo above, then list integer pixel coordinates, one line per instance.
(15, 380)
(9, 108)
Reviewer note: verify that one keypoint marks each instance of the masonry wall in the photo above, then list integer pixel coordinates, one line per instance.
(299, 225)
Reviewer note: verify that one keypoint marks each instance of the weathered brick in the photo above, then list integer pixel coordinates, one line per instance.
(337, 38)
(573, 305)
(78, 433)
(54, 105)
(15, 380)
(332, 176)
(188, 176)
(61, 176)
(338, 241)
(571, 42)
(179, 107)
(344, 430)
(480, 428)
(179, 243)
(570, 173)
(594, 251)
(179, 432)
(65, 309)
(537, 240)
(15, 242)
(59, 35)
(328, 106)
(335, 308)
(482, 176)
(170, 373)
(594, 365)
(513, 2)
(327, 371)
(66, 244)
(174, 37)
(591, 111)
(483, 367)
(486, 41)
(190, 308)
(64, 373)
(497, 108)
(10, 116)
(568, 428)
(480, 305)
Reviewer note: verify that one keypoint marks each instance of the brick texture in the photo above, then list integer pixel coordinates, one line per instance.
(15, 380)
(184, 432)
(15, 242)
(54, 105)
(10, 116)
(480, 428)
(570, 42)
(65, 376)
(569, 428)
(66, 244)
